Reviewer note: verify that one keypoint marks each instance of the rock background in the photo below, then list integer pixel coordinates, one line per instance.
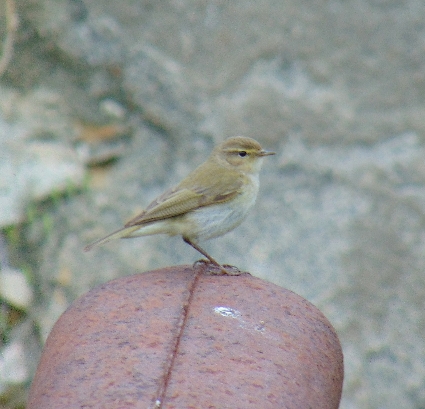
(105, 104)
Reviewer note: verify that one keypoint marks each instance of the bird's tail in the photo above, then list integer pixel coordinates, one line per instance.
(118, 234)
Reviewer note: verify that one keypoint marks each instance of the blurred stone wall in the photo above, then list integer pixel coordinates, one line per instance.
(105, 104)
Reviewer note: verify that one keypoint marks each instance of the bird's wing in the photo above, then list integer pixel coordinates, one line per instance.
(182, 199)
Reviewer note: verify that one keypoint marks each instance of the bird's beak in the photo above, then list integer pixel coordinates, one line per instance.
(266, 153)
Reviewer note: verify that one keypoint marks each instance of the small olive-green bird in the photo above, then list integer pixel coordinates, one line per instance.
(211, 201)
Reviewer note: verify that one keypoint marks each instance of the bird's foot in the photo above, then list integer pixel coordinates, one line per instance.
(217, 269)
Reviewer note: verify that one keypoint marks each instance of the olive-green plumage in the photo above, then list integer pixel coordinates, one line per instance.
(212, 200)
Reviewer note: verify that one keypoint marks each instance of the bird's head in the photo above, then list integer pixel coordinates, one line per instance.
(241, 153)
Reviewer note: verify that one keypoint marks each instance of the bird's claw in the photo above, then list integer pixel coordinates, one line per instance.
(214, 269)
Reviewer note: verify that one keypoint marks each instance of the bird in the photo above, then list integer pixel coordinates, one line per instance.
(211, 201)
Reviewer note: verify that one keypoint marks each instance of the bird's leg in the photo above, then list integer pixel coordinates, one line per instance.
(205, 254)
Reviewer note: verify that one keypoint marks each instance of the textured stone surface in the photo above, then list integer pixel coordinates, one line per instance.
(246, 344)
(32, 164)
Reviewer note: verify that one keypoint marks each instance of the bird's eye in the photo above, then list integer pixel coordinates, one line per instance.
(242, 154)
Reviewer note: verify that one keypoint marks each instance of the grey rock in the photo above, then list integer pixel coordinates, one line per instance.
(15, 289)
(13, 365)
(31, 172)
(18, 361)
(94, 40)
(34, 163)
(162, 89)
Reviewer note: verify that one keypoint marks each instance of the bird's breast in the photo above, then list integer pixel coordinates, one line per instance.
(214, 221)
